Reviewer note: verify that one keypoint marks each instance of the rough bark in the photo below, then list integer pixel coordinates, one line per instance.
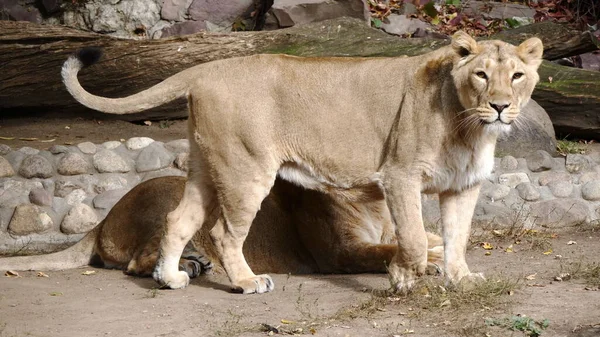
(31, 57)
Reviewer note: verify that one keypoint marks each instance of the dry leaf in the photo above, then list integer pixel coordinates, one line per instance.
(67, 127)
(550, 79)
(531, 277)
(56, 293)
(498, 232)
(89, 272)
(548, 252)
(11, 273)
(571, 243)
(488, 253)
(29, 139)
(312, 331)
(509, 249)
(285, 321)
(148, 123)
(7, 138)
(562, 277)
(42, 274)
(47, 140)
(487, 245)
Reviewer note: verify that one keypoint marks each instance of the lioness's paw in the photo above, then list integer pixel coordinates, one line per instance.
(178, 280)
(258, 284)
(403, 279)
(195, 265)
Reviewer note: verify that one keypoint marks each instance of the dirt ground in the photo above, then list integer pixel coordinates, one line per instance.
(108, 303)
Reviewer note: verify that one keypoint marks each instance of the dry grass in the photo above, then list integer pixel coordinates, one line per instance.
(588, 272)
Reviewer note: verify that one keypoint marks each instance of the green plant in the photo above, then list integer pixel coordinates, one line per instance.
(565, 147)
(528, 325)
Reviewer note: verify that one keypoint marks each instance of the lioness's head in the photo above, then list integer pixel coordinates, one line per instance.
(494, 79)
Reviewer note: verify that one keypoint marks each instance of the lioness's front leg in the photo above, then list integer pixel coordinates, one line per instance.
(457, 212)
(404, 202)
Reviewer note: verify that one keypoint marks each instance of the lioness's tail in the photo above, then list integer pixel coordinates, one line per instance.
(75, 256)
(164, 92)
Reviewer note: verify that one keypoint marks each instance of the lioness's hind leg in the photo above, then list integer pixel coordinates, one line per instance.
(182, 224)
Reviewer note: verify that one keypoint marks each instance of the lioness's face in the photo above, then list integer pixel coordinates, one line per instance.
(494, 79)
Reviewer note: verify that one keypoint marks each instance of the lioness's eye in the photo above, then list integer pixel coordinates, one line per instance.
(481, 74)
(516, 76)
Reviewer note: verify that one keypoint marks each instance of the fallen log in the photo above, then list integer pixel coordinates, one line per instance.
(31, 57)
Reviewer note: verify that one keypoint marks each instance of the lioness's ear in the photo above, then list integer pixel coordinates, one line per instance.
(531, 50)
(464, 44)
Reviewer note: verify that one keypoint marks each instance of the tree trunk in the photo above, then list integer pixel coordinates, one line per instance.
(31, 57)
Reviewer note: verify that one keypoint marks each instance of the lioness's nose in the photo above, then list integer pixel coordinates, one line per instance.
(499, 107)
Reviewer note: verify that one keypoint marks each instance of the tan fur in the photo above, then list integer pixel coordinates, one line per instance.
(296, 231)
(429, 126)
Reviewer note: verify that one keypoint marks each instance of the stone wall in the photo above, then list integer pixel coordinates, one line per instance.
(52, 197)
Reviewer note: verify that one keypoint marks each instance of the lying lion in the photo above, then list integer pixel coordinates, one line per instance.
(296, 231)
(430, 125)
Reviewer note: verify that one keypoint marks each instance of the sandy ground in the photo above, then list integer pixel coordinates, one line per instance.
(109, 303)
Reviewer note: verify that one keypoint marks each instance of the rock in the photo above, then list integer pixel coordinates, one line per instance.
(559, 164)
(117, 18)
(63, 187)
(402, 25)
(175, 10)
(513, 179)
(109, 183)
(87, 147)
(182, 28)
(137, 143)
(559, 212)
(509, 163)
(153, 157)
(6, 169)
(40, 197)
(4, 149)
(561, 189)
(590, 61)
(36, 166)
(589, 176)
(15, 158)
(221, 13)
(56, 149)
(113, 144)
(18, 11)
(178, 146)
(578, 162)
(548, 177)
(497, 192)
(14, 192)
(528, 191)
(108, 199)
(498, 10)
(28, 219)
(539, 161)
(163, 173)
(533, 131)
(293, 12)
(107, 161)
(80, 219)
(496, 214)
(73, 163)
(591, 190)
(29, 151)
(50, 6)
(75, 197)
(181, 161)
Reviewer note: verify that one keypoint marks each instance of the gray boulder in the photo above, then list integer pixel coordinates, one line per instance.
(293, 12)
(80, 219)
(533, 131)
(154, 157)
(36, 166)
(28, 219)
(6, 169)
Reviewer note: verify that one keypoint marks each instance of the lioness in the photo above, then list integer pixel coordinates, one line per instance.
(296, 231)
(430, 126)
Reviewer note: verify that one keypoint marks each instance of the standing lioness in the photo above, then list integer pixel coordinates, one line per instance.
(323, 123)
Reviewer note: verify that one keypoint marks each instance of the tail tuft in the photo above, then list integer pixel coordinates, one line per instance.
(89, 55)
